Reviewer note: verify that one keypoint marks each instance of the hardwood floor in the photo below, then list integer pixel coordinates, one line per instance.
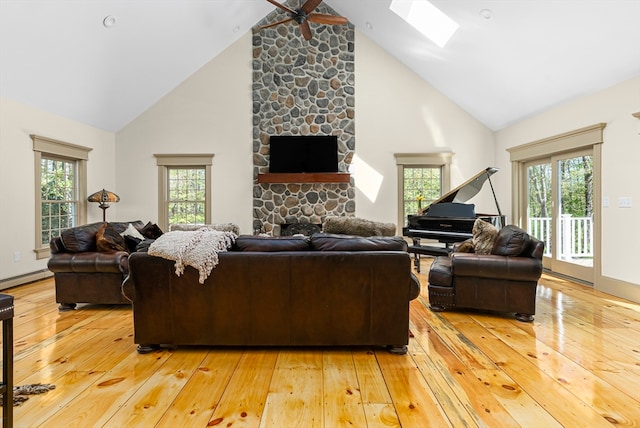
(577, 365)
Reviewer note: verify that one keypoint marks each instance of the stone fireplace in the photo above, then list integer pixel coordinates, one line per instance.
(302, 88)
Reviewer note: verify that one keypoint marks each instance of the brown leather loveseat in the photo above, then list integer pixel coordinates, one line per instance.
(504, 281)
(326, 290)
(82, 273)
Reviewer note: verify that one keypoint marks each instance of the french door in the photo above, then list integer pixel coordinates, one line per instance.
(560, 206)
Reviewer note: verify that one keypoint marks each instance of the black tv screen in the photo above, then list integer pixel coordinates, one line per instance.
(303, 153)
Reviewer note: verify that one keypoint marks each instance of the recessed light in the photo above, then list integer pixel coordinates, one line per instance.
(369, 25)
(486, 13)
(109, 21)
(236, 29)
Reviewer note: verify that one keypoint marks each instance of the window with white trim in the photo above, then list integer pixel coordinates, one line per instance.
(422, 178)
(60, 191)
(184, 189)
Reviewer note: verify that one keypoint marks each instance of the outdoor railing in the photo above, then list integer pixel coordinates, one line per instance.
(576, 235)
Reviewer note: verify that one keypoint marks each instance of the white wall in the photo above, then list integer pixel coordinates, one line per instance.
(620, 168)
(208, 113)
(17, 177)
(398, 112)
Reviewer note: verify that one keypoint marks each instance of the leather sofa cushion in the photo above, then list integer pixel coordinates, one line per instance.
(334, 242)
(511, 241)
(271, 243)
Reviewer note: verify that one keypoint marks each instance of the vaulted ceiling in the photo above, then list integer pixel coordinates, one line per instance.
(519, 58)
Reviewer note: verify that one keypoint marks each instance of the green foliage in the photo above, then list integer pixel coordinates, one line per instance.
(575, 178)
(58, 197)
(186, 195)
(422, 182)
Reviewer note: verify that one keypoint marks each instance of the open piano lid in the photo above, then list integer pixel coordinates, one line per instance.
(466, 190)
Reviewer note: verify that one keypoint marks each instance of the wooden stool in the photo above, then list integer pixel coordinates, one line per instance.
(6, 388)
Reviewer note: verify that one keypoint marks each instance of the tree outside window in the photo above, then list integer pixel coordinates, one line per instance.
(421, 186)
(58, 197)
(184, 188)
(186, 201)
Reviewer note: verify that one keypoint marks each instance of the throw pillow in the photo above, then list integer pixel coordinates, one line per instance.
(143, 246)
(131, 242)
(465, 246)
(151, 231)
(133, 232)
(511, 241)
(484, 236)
(108, 239)
(357, 226)
(81, 238)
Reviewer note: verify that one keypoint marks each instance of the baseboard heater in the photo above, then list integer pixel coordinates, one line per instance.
(25, 278)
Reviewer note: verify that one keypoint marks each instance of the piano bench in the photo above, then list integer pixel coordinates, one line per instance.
(426, 250)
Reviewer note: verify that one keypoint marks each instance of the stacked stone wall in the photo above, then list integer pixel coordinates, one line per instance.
(302, 88)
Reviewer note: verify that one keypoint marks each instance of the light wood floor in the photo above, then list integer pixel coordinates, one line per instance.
(577, 365)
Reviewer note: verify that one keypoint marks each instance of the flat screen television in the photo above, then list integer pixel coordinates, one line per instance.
(303, 153)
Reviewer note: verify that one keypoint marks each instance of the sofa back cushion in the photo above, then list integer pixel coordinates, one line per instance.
(334, 242)
(511, 241)
(271, 243)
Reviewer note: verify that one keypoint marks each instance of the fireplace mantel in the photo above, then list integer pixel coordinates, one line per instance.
(305, 177)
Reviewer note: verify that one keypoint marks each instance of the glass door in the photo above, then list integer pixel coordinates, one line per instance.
(560, 212)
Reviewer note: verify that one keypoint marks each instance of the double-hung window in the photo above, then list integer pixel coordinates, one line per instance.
(422, 178)
(184, 189)
(60, 193)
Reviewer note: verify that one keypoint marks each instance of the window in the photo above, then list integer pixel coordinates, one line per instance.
(60, 189)
(421, 186)
(422, 178)
(186, 200)
(184, 189)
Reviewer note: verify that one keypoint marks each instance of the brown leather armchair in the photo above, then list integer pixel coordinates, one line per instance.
(505, 280)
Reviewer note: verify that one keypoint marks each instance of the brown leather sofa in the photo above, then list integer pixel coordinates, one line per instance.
(504, 281)
(326, 290)
(83, 274)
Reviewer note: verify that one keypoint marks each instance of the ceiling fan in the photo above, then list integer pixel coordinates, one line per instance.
(304, 14)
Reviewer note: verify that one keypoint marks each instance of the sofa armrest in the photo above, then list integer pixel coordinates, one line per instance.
(90, 262)
(494, 266)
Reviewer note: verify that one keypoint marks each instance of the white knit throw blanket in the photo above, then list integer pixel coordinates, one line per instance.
(197, 248)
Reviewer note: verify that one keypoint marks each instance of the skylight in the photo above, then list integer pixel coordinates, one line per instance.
(426, 18)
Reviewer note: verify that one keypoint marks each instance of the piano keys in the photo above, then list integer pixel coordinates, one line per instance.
(450, 219)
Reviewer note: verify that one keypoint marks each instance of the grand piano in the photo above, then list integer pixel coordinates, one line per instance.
(450, 219)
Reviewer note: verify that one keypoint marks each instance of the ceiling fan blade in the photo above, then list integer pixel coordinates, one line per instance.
(305, 30)
(276, 23)
(310, 5)
(283, 7)
(319, 18)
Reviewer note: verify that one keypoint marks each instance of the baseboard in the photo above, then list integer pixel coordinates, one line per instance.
(25, 279)
(618, 288)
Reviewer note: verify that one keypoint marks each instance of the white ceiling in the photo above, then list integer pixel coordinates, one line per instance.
(529, 56)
